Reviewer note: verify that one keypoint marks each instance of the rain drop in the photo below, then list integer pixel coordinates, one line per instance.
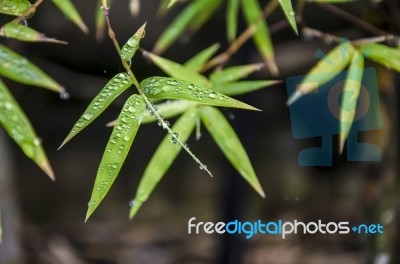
(64, 95)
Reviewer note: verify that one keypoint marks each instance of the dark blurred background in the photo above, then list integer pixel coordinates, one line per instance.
(43, 221)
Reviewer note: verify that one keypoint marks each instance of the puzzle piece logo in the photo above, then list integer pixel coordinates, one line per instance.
(317, 115)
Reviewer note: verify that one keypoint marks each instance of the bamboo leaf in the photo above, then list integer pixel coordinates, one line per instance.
(117, 149)
(166, 109)
(351, 92)
(203, 17)
(100, 20)
(232, 11)
(14, 7)
(227, 140)
(176, 70)
(179, 25)
(24, 33)
(196, 63)
(169, 109)
(326, 69)
(238, 88)
(132, 45)
(262, 39)
(389, 57)
(18, 127)
(162, 159)
(287, 8)
(19, 69)
(170, 88)
(235, 73)
(171, 3)
(69, 10)
(116, 86)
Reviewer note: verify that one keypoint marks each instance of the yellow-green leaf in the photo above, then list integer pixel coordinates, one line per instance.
(179, 25)
(117, 149)
(170, 88)
(166, 109)
(262, 39)
(227, 140)
(177, 70)
(196, 63)
(100, 21)
(69, 10)
(162, 159)
(19, 69)
(237, 88)
(14, 7)
(326, 69)
(232, 11)
(18, 127)
(351, 92)
(116, 86)
(203, 17)
(389, 57)
(171, 3)
(132, 45)
(24, 33)
(234, 73)
(287, 8)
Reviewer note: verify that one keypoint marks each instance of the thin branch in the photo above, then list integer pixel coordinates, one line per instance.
(242, 39)
(353, 19)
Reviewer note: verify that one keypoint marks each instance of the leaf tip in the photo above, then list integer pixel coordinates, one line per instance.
(294, 97)
(111, 123)
(46, 167)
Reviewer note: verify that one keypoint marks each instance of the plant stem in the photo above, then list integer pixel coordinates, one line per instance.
(150, 105)
(355, 20)
(30, 11)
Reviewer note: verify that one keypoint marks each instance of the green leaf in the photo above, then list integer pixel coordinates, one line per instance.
(237, 88)
(179, 25)
(100, 21)
(196, 63)
(24, 33)
(18, 127)
(170, 88)
(19, 69)
(116, 86)
(14, 7)
(227, 140)
(132, 45)
(234, 73)
(117, 149)
(262, 39)
(169, 109)
(203, 17)
(232, 11)
(178, 71)
(351, 92)
(162, 159)
(166, 109)
(326, 69)
(289, 13)
(69, 10)
(389, 57)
